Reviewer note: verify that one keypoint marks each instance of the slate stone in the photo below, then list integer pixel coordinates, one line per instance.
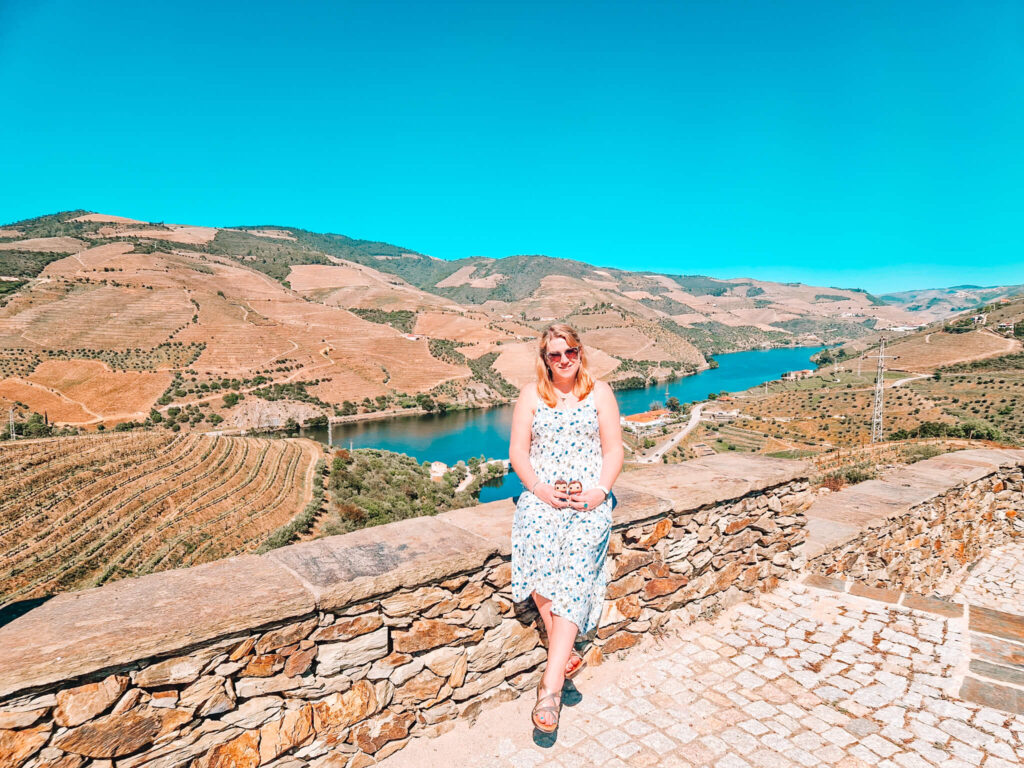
(999, 623)
(997, 672)
(710, 480)
(997, 651)
(77, 633)
(874, 593)
(825, 582)
(341, 570)
(991, 695)
(933, 605)
(491, 521)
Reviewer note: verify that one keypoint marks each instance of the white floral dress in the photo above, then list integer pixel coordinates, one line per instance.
(560, 553)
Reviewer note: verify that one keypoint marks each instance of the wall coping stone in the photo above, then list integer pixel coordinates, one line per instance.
(341, 570)
(164, 614)
(75, 633)
(710, 480)
(839, 517)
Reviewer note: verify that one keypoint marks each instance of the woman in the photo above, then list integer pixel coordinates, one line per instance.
(565, 430)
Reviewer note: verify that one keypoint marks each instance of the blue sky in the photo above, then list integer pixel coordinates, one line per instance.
(858, 144)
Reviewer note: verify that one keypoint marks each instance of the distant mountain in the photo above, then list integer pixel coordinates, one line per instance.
(105, 319)
(937, 303)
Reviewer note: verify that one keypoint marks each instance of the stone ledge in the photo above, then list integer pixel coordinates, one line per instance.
(840, 517)
(77, 633)
(701, 482)
(339, 570)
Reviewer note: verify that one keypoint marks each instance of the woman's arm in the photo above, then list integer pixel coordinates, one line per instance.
(519, 443)
(519, 449)
(612, 453)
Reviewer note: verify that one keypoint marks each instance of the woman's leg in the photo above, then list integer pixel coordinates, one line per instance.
(560, 642)
(561, 635)
(544, 609)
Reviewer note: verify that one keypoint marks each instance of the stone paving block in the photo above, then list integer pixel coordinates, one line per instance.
(874, 593)
(1014, 676)
(899, 712)
(932, 605)
(1000, 623)
(820, 581)
(989, 694)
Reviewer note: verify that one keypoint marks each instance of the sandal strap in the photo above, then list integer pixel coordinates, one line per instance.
(555, 697)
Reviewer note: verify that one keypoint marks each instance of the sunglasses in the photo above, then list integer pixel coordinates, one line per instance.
(572, 354)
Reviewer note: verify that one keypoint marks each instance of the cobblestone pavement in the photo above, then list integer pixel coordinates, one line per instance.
(803, 677)
(997, 581)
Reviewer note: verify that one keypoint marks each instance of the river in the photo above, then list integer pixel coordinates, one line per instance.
(460, 434)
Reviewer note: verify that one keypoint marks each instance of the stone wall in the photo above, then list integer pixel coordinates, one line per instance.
(335, 652)
(923, 545)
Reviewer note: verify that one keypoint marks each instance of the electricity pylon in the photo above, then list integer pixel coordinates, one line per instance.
(876, 417)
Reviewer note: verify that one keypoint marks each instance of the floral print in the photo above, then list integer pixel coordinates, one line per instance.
(560, 553)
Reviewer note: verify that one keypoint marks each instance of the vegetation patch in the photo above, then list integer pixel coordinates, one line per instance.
(372, 487)
(701, 285)
(971, 429)
(668, 305)
(1013, 362)
(401, 319)
(26, 263)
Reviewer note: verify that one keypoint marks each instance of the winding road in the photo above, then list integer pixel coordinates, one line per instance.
(677, 438)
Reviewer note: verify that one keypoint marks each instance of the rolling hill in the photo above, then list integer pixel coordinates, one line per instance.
(107, 320)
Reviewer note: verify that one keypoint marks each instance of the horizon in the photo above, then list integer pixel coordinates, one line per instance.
(851, 146)
(734, 278)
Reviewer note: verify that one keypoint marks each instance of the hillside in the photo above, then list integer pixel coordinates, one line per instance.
(936, 303)
(106, 320)
(79, 511)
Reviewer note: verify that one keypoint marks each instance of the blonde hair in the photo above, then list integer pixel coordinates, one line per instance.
(584, 380)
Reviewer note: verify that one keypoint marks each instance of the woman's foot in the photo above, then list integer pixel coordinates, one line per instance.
(574, 665)
(545, 711)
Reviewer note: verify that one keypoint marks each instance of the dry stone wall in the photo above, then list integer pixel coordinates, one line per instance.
(336, 652)
(924, 548)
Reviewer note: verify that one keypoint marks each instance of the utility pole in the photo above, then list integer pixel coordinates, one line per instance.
(876, 417)
(13, 436)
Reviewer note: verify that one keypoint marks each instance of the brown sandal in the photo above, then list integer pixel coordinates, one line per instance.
(555, 697)
(578, 667)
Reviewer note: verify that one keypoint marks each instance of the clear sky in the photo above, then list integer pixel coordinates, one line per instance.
(858, 144)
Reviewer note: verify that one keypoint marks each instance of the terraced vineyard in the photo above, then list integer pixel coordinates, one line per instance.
(78, 511)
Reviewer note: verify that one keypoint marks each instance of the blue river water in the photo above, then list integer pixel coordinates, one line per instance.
(458, 435)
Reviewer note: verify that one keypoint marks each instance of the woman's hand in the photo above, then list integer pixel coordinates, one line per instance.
(547, 493)
(587, 500)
